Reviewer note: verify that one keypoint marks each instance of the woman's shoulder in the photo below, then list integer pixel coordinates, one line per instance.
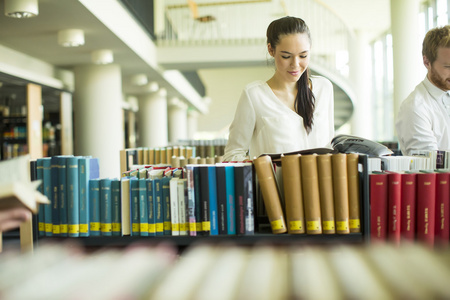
(257, 84)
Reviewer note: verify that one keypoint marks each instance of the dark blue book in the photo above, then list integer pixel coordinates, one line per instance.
(222, 214)
(62, 198)
(73, 196)
(94, 207)
(151, 207)
(83, 178)
(134, 209)
(116, 207)
(105, 207)
(165, 182)
(56, 228)
(197, 201)
(204, 199)
(212, 183)
(158, 204)
(143, 207)
(47, 187)
(41, 213)
(244, 198)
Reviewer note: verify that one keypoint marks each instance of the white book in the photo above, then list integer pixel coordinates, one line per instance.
(182, 206)
(174, 216)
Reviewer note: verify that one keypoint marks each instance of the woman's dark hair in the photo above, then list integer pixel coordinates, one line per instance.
(305, 101)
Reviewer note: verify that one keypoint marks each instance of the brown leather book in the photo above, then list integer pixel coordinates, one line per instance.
(340, 189)
(311, 196)
(354, 207)
(325, 175)
(293, 198)
(270, 193)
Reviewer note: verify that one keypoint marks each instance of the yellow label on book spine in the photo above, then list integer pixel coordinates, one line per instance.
(192, 227)
(64, 228)
(355, 223)
(84, 228)
(95, 226)
(206, 226)
(143, 227)
(277, 224)
(159, 227)
(151, 228)
(74, 228)
(342, 225)
(175, 227)
(135, 227)
(116, 227)
(41, 226)
(183, 227)
(296, 225)
(312, 225)
(48, 227)
(105, 227)
(328, 225)
(199, 226)
(167, 226)
(56, 229)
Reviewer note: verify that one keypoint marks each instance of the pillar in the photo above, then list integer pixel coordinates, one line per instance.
(177, 120)
(192, 123)
(98, 115)
(152, 119)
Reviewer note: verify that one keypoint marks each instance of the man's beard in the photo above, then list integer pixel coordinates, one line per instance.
(437, 80)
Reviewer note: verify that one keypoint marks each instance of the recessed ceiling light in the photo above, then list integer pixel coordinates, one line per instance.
(21, 8)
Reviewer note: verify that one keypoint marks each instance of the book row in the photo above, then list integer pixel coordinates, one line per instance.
(313, 193)
(410, 206)
(204, 271)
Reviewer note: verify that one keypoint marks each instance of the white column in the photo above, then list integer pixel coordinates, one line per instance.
(98, 115)
(407, 49)
(177, 120)
(152, 119)
(359, 64)
(192, 123)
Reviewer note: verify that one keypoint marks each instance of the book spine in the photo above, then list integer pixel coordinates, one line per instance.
(73, 197)
(325, 176)
(231, 207)
(116, 207)
(204, 196)
(94, 207)
(394, 204)
(41, 216)
(174, 206)
(191, 200)
(240, 199)
(198, 202)
(151, 194)
(182, 206)
(165, 182)
(143, 207)
(56, 227)
(214, 230)
(63, 194)
(378, 207)
(47, 184)
(311, 195)
(340, 192)
(83, 166)
(249, 199)
(354, 202)
(270, 193)
(293, 195)
(221, 200)
(105, 207)
(426, 197)
(125, 205)
(442, 209)
(408, 207)
(159, 221)
(135, 226)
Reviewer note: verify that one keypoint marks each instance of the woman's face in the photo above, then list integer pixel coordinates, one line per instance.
(291, 56)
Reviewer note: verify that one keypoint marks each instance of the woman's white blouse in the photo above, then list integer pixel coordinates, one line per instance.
(263, 124)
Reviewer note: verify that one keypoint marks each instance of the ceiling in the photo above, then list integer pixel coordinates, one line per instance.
(37, 37)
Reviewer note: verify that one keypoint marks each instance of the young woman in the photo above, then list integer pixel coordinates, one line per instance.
(292, 110)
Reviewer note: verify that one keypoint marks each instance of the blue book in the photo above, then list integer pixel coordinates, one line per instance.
(73, 196)
(41, 213)
(105, 207)
(197, 201)
(56, 228)
(116, 207)
(158, 201)
(212, 182)
(151, 207)
(47, 187)
(165, 183)
(231, 206)
(83, 179)
(134, 209)
(222, 200)
(204, 199)
(94, 207)
(143, 207)
(62, 181)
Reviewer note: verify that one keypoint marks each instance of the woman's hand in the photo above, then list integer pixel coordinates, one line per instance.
(11, 218)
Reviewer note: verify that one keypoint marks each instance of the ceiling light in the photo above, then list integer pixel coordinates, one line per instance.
(139, 79)
(102, 57)
(21, 8)
(71, 37)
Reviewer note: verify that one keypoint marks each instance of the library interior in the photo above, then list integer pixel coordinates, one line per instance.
(117, 119)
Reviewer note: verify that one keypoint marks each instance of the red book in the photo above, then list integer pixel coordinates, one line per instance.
(378, 206)
(441, 229)
(408, 207)
(426, 197)
(394, 202)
